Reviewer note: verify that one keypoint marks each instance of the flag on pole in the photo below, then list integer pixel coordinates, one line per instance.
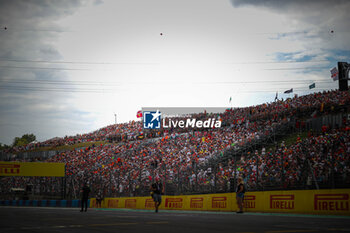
(288, 91)
(276, 97)
(334, 74)
(139, 114)
(312, 86)
(230, 99)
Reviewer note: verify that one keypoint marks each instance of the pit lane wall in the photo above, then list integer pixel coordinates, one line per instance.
(329, 202)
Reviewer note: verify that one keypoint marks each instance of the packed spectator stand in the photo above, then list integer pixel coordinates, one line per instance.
(249, 144)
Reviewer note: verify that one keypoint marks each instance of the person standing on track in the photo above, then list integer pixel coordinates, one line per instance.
(240, 194)
(99, 198)
(84, 197)
(157, 189)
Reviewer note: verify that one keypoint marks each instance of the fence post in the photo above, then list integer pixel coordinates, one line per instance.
(196, 181)
(139, 192)
(234, 173)
(178, 180)
(282, 171)
(257, 169)
(214, 170)
(332, 171)
(63, 187)
(313, 175)
(164, 179)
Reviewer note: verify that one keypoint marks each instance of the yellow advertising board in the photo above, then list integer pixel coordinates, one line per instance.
(328, 201)
(32, 169)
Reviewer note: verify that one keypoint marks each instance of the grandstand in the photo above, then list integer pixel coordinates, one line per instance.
(298, 143)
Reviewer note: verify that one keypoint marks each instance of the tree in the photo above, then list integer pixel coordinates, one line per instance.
(24, 140)
(29, 137)
(3, 146)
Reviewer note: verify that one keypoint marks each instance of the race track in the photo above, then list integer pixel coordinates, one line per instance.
(46, 220)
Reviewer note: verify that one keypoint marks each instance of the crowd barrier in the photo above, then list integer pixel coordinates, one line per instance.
(330, 202)
(42, 203)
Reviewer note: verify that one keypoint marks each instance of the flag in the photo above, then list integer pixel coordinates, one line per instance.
(288, 91)
(276, 97)
(314, 114)
(230, 99)
(322, 107)
(312, 86)
(139, 114)
(240, 121)
(334, 74)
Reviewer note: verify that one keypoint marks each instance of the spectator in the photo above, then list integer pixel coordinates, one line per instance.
(84, 197)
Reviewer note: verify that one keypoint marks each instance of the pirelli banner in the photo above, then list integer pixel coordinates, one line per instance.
(32, 169)
(330, 201)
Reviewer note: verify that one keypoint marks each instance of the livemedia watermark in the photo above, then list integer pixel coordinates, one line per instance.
(176, 117)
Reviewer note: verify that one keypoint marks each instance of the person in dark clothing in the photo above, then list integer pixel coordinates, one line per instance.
(157, 190)
(99, 198)
(84, 197)
(240, 195)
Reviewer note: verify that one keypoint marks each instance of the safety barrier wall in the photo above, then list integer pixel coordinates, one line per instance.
(42, 203)
(330, 202)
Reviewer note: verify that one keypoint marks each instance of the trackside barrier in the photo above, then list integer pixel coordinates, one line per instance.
(330, 202)
(42, 203)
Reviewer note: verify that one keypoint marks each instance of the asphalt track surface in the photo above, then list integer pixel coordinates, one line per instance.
(47, 220)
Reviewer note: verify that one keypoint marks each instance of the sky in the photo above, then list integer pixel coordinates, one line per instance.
(67, 67)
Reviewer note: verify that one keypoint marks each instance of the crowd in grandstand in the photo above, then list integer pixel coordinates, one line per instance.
(313, 159)
(179, 157)
(328, 101)
(125, 131)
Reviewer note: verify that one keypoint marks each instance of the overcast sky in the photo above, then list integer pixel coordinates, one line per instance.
(67, 67)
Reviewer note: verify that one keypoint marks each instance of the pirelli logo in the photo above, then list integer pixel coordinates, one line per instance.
(282, 202)
(130, 203)
(173, 203)
(196, 202)
(9, 168)
(113, 203)
(249, 201)
(149, 203)
(331, 202)
(219, 202)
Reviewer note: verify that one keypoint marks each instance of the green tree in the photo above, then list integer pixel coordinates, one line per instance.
(3, 146)
(24, 140)
(29, 137)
